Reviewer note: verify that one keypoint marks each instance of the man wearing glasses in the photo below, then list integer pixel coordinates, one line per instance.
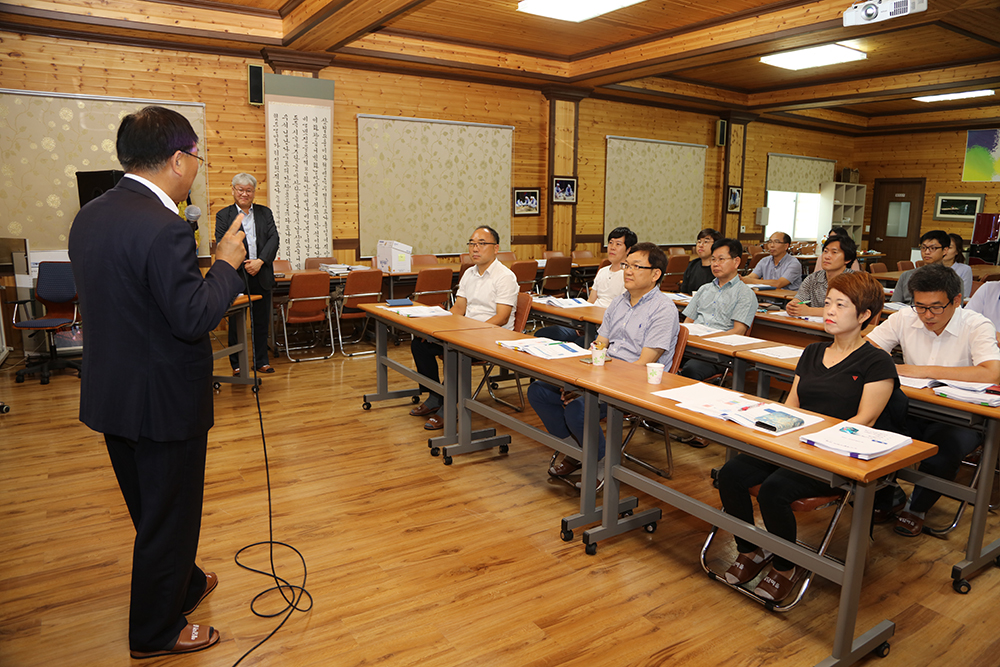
(257, 271)
(487, 292)
(780, 270)
(640, 327)
(933, 245)
(941, 341)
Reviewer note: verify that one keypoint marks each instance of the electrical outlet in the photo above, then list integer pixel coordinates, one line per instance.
(743, 228)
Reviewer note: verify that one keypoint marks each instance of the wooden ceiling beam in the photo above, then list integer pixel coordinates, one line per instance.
(320, 25)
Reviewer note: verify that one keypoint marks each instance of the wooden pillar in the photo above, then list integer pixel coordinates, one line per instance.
(564, 126)
(732, 223)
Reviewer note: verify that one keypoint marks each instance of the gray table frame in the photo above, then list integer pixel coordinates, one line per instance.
(846, 649)
(976, 556)
(240, 349)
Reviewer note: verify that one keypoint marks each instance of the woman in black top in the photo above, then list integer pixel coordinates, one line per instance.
(846, 379)
(699, 271)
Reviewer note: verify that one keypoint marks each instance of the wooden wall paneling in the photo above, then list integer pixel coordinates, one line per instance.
(563, 133)
(734, 151)
(600, 118)
(764, 138)
(937, 156)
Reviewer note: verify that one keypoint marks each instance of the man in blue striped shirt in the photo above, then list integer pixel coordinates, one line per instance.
(640, 326)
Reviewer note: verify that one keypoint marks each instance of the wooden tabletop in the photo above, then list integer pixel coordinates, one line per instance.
(429, 326)
(978, 271)
(627, 383)
(707, 343)
(592, 314)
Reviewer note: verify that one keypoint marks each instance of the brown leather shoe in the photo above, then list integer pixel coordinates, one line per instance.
(236, 372)
(192, 638)
(422, 410)
(211, 581)
(434, 423)
(565, 467)
(266, 368)
(909, 525)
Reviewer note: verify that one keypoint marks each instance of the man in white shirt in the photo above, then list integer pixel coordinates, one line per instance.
(942, 341)
(488, 293)
(780, 270)
(986, 301)
(608, 284)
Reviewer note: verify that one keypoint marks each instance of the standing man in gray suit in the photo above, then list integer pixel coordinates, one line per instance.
(147, 366)
(257, 271)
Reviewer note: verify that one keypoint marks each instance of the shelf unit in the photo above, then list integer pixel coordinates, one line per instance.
(842, 205)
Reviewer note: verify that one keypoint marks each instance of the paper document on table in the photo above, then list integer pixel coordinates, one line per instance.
(697, 393)
(575, 302)
(751, 413)
(856, 441)
(700, 329)
(915, 383)
(678, 296)
(522, 344)
(761, 287)
(807, 318)
(889, 305)
(557, 350)
(967, 396)
(335, 269)
(736, 340)
(781, 352)
(418, 311)
(968, 386)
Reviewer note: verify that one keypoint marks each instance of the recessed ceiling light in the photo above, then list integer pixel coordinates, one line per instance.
(954, 96)
(817, 56)
(572, 10)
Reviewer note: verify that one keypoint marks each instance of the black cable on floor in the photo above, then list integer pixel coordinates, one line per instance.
(291, 593)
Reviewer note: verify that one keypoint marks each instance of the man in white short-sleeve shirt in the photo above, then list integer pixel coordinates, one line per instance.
(488, 293)
(941, 341)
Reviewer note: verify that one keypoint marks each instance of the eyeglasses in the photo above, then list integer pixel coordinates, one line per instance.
(720, 260)
(930, 248)
(197, 157)
(479, 245)
(625, 266)
(244, 191)
(936, 310)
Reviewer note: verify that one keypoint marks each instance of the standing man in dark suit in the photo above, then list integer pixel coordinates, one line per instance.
(258, 269)
(147, 366)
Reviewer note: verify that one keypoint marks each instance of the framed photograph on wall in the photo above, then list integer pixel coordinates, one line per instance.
(734, 202)
(563, 190)
(962, 208)
(527, 201)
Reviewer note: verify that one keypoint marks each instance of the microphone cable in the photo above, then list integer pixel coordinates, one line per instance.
(291, 593)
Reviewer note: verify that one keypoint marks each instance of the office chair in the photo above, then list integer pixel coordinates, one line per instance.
(433, 286)
(525, 271)
(312, 263)
(672, 277)
(56, 290)
(361, 287)
(419, 261)
(878, 267)
(904, 265)
(581, 254)
(556, 276)
(549, 254)
(308, 303)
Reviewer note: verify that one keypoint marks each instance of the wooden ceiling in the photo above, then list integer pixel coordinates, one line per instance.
(698, 56)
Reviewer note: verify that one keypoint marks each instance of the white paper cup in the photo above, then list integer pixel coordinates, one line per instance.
(654, 373)
(598, 356)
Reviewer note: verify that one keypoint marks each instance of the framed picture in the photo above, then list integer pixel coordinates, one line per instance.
(962, 208)
(563, 190)
(527, 201)
(734, 202)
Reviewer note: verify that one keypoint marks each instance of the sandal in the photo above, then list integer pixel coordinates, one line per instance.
(777, 586)
(747, 566)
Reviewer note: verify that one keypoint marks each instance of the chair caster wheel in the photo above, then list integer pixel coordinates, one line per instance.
(624, 514)
(447, 460)
(504, 449)
(961, 586)
(4, 408)
(591, 549)
(366, 406)
(650, 527)
(45, 380)
(882, 650)
(996, 561)
(19, 379)
(255, 388)
(414, 399)
(435, 451)
(566, 535)
(494, 386)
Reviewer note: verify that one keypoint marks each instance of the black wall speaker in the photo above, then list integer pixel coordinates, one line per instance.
(721, 132)
(93, 184)
(255, 90)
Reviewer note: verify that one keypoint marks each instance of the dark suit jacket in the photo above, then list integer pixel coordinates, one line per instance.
(267, 239)
(147, 313)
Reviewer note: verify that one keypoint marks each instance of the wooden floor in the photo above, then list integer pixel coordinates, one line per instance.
(411, 562)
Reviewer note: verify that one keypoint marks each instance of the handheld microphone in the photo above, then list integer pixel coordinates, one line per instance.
(192, 214)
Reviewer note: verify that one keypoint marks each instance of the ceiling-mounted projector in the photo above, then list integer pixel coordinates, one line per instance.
(881, 10)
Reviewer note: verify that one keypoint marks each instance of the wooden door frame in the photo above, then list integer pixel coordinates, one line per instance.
(882, 183)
